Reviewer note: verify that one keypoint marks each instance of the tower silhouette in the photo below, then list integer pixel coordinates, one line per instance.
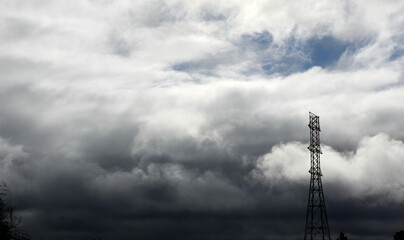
(316, 216)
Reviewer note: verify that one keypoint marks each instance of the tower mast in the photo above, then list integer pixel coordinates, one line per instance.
(316, 217)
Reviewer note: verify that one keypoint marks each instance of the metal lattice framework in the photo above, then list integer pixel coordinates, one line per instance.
(316, 218)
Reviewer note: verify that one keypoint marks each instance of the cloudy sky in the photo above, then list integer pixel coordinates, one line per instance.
(174, 119)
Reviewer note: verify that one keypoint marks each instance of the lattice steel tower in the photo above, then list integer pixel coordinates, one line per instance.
(316, 218)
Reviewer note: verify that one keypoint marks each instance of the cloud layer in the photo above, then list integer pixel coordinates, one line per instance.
(184, 120)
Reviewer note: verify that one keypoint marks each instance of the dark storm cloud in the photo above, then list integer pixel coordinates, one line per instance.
(185, 181)
(185, 188)
(84, 181)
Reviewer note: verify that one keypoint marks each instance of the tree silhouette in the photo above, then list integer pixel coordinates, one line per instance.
(399, 235)
(342, 236)
(9, 222)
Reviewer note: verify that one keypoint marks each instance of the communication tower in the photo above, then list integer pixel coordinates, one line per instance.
(316, 218)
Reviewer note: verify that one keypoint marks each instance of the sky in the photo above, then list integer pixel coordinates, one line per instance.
(169, 119)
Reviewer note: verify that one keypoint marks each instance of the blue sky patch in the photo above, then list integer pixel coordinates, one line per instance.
(298, 56)
(271, 58)
(204, 66)
(326, 51)
(397, 54)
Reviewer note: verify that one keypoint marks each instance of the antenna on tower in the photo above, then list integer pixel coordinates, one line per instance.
(316, 217)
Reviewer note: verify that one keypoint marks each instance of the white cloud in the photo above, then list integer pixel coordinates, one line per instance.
(374, 169)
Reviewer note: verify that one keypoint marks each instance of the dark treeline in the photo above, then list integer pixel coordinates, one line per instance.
(397, 236)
